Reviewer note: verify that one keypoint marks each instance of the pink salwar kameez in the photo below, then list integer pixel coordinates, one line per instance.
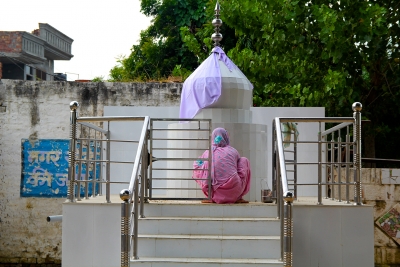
(230, 173)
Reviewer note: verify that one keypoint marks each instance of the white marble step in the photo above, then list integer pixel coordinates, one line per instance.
(209, 226)
(195, 209)
(209, 246)
(204, 262)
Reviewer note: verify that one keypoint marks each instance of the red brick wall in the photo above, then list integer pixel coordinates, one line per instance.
(11, 42)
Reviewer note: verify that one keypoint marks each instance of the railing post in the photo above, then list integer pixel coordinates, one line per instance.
(143, 169)
(347, 166)
(325, 139)
(210, 160)
(125, 227)
(278, 187)
(357, 107)
(78, 182)
(135, 219)
(108, 164)
(94, 179)
(274, 187)
(319, 165)
(288, 230)
(295, 165)
(150, 179)
(88, 147)
(332, 182)
(72, 146)
(146, 173)
(339, 168)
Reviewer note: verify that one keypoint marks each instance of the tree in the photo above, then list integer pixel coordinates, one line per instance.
(323, 53)
(160, 47)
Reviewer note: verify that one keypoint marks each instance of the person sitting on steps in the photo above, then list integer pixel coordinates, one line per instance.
(230, 173)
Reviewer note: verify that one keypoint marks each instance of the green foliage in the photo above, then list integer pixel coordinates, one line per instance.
(320, 53)
(296, 53)
(181, 72)
(199, 41)
(98, 79)
(160, 47)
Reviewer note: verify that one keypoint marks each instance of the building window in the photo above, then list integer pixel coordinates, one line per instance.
(30, 73)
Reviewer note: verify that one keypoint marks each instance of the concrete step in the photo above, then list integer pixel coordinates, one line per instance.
(209, 246)
(204, 262)
(195, 209)
(209, 226)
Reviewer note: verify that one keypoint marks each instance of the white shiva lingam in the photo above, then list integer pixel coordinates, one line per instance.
(218, 90)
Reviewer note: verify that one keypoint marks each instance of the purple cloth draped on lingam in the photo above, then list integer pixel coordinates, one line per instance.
(203, 87)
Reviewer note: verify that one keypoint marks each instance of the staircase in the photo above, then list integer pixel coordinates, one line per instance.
(193, 234)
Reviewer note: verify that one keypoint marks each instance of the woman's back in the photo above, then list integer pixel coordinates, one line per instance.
(225, 163)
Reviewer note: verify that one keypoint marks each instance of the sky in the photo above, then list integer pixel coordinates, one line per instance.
(102, 30)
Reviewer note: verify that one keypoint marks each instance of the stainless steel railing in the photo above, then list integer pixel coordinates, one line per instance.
(80, 162)
(185, 142)
(129, 232)
(86, 155)
(333, 149)
(90, 146)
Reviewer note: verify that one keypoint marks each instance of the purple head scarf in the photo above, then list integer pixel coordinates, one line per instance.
(220, 138)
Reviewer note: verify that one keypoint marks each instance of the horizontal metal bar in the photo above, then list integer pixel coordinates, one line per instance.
(54, 218)
(121, 141)
(380, 160)
(107, 140)
(174, 188)
(165, 119)
(90, 139)
(180, 159)
(175, 169)
(101, 182)
(337, 148)
(103, 160)
(329, 184)
(317, 119)
(186, 130)
(323, 163)
(178, 179)
(316, 142)
(175, 198)
(337, 142)
(110, 118)
(97, 128)
(165, 148)
(336, 128)
(181, 139)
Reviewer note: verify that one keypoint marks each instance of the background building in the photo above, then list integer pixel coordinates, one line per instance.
(30, 56)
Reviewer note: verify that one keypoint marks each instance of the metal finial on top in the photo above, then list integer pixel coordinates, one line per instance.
(217, 22)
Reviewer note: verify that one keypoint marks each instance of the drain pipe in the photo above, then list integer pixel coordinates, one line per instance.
(54, 218)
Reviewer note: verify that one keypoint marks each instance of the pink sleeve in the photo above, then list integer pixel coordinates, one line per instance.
(200, 168)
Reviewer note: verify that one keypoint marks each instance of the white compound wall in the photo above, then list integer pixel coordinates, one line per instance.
(40, 110)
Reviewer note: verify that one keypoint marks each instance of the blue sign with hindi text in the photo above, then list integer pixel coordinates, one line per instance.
(45, 168)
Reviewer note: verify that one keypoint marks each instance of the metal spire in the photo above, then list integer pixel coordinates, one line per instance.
(217, 22)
